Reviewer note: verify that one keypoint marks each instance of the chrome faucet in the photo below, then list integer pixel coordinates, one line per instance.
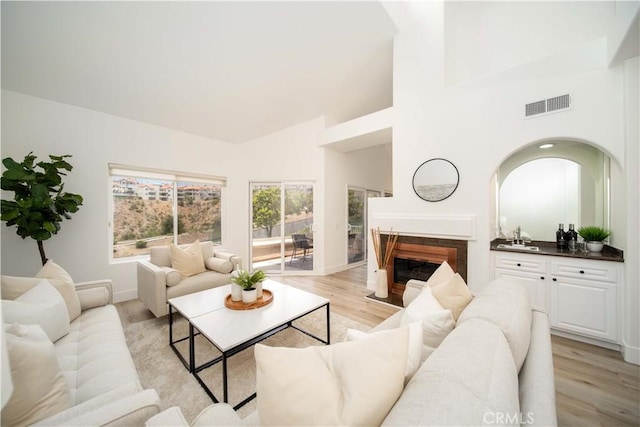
(517, 234)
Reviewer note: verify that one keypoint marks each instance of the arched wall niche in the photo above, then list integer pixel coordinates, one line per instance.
(538, 188)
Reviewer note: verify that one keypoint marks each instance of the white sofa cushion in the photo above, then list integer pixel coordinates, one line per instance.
(199, 282)
(349, 383)
(39, 388)
(505, 302)
(41, 305)
(414, 355)
(188, 261)
(468, 381)
(436, 322)
(94, 356)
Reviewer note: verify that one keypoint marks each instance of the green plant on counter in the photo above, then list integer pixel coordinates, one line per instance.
(247, 280)
(593, 233)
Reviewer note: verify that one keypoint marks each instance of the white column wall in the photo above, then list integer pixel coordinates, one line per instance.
(368, 169)
(631, 296)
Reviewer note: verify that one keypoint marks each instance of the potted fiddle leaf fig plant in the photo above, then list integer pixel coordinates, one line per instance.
(40, 203)
(251, 284)
(594, 236)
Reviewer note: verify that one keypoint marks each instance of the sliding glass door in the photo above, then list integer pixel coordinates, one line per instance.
(282, 227)
(357, 208)
(356, 227)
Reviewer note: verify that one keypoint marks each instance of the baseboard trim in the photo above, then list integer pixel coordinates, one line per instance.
(588, 340)
(631, 354)
(125, 295)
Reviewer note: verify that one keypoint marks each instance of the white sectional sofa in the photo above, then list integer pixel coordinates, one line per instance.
(494, 368)
(158, 280)
(93, 357)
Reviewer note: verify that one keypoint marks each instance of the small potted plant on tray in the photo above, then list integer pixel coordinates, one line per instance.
(251, 284)
(594, 236)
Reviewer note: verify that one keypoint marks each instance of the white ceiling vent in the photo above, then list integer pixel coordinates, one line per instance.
(558, 103)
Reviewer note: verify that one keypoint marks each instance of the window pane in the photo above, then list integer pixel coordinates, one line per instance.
(199, 212)
(298, 202)
(266, 231)
(356, 231)
(142, 215)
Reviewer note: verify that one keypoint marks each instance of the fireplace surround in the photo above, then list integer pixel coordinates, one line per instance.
(417, 258)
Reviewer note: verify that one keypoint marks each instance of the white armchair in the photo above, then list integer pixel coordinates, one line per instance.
(158, 281)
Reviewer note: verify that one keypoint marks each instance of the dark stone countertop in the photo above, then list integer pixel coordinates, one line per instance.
(609, 253)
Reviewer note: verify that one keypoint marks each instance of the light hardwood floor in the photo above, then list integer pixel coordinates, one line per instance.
(594, 386)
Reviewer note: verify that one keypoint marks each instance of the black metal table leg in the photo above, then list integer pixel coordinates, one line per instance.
(225, 389)
(328, 327)
(192, 350)
(170, 324)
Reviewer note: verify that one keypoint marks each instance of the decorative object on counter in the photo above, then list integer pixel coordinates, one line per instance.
(571, 237)
(383, 256)
(249, 282)
(560, 241)
(594, 236)
(435, 180)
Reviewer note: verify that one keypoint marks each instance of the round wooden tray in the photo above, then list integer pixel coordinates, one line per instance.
(267, 298)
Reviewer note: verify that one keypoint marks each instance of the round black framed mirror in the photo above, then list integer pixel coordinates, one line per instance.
(435, 180)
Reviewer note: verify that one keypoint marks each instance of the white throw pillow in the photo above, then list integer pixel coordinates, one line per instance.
(13, 287)
(41, 305)
(443, 274)
(218, 264)
(437, 322)
(189, 261)
(173, 276)
(414, 355)
(39, 387)
(349, 383)
(454, 295)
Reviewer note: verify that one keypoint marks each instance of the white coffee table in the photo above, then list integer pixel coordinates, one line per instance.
(232, 331)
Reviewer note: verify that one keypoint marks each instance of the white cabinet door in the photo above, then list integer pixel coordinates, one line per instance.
(585, 307)
(536, 284)
(581, 296)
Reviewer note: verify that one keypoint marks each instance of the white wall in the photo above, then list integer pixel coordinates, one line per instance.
(368, 169)
(94, 140)
(490, 37)
(478, 124)
(290, 154)
(631, 296)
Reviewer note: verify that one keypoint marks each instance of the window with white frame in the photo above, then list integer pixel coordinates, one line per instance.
(155, 208)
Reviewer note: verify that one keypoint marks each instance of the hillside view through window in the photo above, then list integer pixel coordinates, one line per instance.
(157, 212)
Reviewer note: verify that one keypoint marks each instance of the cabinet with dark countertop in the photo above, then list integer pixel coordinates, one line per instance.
(580, 292)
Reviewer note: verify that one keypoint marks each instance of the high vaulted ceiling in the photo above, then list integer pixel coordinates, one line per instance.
(231, 71)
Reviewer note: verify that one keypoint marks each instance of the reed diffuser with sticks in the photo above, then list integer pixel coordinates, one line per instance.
(383, 257)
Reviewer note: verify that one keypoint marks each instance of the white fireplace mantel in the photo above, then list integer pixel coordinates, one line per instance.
(462, 227)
